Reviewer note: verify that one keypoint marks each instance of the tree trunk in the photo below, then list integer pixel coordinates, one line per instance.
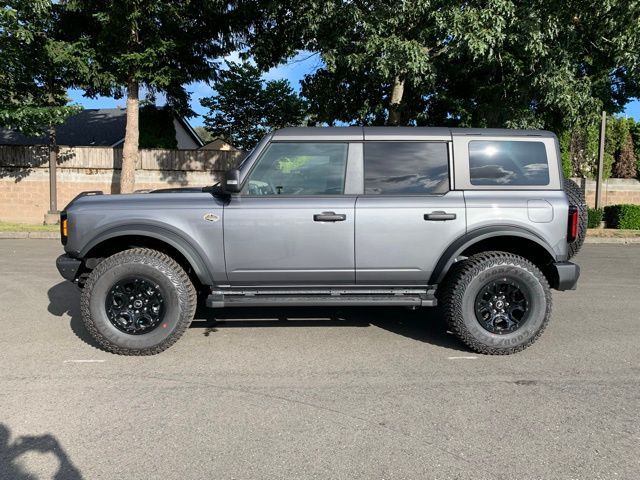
(397, 91)
(130, 150)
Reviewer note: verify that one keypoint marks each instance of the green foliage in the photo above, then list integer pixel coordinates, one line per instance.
(205, 135)
(623, 216)
(484, 64)
(156, 128)
(288, 165)
(580, 145)
(160, 45)
(625, 165)
(565, 153)
(245, 107)
(38, 65)
(594, 217)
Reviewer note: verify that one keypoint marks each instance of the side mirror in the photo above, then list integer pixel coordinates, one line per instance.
(232, 181)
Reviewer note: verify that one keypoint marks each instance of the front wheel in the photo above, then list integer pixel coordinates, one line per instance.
(497, 303)
(138, 302)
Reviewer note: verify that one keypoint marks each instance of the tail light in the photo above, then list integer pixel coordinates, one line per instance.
(572, 227)
(64, 227)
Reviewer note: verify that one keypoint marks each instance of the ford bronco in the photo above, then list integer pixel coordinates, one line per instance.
(480, 222)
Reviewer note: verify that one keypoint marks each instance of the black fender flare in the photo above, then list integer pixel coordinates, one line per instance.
(174, 239)
(474, 236)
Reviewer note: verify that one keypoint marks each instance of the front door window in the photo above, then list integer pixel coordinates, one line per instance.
(299, 169)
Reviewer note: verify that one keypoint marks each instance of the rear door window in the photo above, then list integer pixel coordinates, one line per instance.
(508, 163)
(406, 168)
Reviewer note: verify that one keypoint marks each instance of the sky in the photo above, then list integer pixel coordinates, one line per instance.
(293, 70)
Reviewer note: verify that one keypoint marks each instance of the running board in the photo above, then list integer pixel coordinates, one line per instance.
(259, 300)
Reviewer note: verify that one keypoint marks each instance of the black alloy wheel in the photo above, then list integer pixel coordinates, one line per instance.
(135, 305)
(502, 306)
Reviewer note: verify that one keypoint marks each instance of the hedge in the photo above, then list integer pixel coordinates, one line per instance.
(623, 216)
(594, 217)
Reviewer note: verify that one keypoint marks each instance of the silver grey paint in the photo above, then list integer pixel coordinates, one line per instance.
(384, 240)
(395, 245)
(274, 240)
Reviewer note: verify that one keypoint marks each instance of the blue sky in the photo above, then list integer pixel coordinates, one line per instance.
(294, 70)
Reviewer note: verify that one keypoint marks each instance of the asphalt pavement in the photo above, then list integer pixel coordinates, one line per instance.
(320, 393)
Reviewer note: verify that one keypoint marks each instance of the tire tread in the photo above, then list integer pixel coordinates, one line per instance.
(171, 268)
(454, 288)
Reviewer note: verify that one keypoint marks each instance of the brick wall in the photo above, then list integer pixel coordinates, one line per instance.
(614, 191)
(24, 176)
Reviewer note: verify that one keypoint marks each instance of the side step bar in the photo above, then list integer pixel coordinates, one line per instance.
(217, 300)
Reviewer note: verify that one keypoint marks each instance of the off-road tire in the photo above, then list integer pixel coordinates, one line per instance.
(178, 292)
(463, 283)
(576, 197)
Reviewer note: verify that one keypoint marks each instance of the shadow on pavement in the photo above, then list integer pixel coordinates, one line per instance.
(64, 298)
(424, 325)
(10, 452)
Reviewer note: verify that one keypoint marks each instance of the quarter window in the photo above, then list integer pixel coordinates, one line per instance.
(508, 163)
(406, 168)
(299, 169)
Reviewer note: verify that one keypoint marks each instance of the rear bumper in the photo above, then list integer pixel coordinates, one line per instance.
(68, 267)
(567, 275)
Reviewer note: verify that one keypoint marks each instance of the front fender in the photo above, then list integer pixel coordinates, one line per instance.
(191, 253)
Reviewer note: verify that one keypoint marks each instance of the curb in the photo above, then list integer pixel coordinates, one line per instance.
(35, 235)
(613, 240)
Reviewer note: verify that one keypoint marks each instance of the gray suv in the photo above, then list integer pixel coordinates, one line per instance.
(479, 222)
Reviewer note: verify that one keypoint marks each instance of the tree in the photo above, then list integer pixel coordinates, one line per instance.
(245, 107)
(625, 165)
(435, 62)
(205, 135)
(160, 45)
(39, 65)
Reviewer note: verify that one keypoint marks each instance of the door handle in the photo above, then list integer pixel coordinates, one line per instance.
(439, 216)
(329, 217)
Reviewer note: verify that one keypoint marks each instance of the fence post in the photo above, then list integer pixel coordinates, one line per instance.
(51, 217)
(603, 133)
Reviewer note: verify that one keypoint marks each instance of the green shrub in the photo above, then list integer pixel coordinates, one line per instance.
(623, 216)
(594, 217)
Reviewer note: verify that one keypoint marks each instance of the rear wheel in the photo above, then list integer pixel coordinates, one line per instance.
(497, 303)
(576, 198)
(138, 302)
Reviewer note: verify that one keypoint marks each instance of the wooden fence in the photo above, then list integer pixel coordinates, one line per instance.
(105, 158)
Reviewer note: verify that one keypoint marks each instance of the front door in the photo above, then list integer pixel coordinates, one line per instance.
(407, 216)
(292, 223)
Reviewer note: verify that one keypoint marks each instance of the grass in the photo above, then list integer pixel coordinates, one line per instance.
(27, 227)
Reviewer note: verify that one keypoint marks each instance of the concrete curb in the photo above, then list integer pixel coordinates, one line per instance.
(612, 240)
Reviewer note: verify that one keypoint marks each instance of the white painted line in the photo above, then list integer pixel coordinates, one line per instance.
(84, 361)
(462, 358)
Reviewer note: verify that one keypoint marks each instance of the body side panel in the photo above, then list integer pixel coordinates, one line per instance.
(395, 244)
(178, 219)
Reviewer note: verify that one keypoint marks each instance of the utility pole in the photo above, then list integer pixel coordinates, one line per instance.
(603, 132)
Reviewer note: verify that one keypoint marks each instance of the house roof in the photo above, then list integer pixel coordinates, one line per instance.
(218, 144)
(102, 127)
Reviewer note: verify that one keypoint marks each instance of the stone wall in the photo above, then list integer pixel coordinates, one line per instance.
(24, 175)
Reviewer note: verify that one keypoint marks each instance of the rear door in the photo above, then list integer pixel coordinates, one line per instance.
(292, 224)
(408, 214)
